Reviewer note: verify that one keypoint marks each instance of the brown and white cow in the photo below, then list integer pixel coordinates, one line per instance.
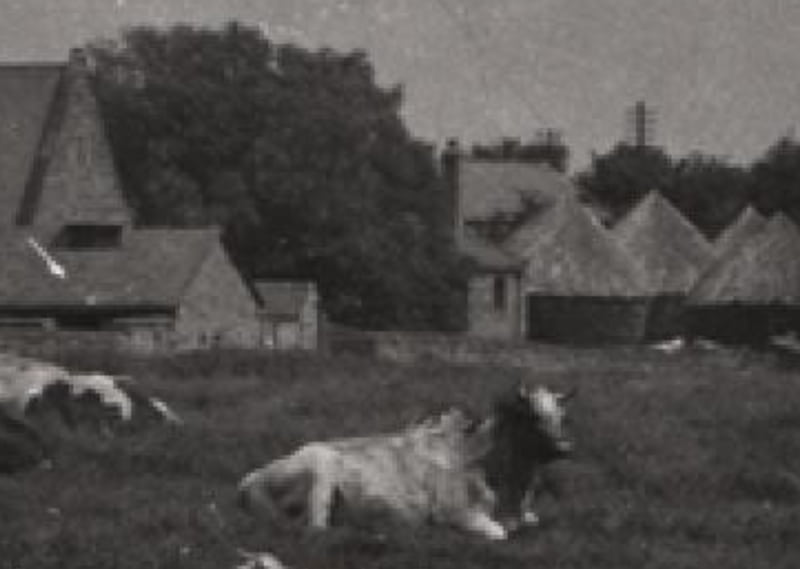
(447, 470)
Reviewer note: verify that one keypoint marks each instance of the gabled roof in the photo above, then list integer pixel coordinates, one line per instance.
(748, 223)
(670, 249)
(490, 187)
(765, 269)
(151, 268)
(27, 93)
(572, 254)
(284, 298)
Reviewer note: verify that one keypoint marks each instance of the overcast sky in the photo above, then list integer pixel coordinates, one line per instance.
(724, 75)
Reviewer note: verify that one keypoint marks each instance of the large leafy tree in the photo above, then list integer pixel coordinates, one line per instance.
(775, 178)
(709, 191)
(299, 155)
(618, 179)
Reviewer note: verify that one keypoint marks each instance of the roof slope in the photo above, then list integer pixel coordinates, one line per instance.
(670, 249)
(572, 254)
(486, 255)
(489, 187)
(151, 268)
(748, 223)
(26, 96)
(765, 269)
(283, 298)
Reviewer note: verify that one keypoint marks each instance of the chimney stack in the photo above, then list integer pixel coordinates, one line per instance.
(451, 156)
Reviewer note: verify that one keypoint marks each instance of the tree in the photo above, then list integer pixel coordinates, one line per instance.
(775, 178)
(617, 180)
(297, 154)
(709, 191)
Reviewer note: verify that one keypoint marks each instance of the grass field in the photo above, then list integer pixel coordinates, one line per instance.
(688, 460)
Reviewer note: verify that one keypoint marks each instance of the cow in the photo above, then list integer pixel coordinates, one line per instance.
(451, 470)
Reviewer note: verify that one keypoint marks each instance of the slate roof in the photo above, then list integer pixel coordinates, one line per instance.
(489, 187)
(765, 269)
(27, 93)
(151, 268)
(671, 250)
(487, 256)
(283, 298)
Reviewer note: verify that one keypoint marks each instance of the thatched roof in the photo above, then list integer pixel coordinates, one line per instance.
(765, 269)
(671, 250)
(571, 254)
(748, 223)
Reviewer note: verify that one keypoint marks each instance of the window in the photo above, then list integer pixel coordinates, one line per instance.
(500, 294)
(89, 236)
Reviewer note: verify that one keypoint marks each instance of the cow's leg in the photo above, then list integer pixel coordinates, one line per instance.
(482, 524)
(322, 490)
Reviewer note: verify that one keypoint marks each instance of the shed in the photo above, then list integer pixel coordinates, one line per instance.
(289, 314)
(748, 223)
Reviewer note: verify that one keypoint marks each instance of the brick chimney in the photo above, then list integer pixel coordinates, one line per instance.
(450, 158)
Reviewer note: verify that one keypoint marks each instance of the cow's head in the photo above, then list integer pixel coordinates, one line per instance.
(538, 418)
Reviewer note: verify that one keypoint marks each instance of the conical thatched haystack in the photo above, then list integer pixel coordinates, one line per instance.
(669, 247)
(672, 253)
(748, 223)
(580, 284)
(754, 291)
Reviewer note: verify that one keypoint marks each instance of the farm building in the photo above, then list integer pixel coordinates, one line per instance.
(543, 266)
(753, 292)
(289, 314)
(62, 209)
(672, 253)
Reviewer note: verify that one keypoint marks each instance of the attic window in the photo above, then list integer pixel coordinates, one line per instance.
(89, 236)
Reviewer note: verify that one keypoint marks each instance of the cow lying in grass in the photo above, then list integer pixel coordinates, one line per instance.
(448, 470)
(39, 402)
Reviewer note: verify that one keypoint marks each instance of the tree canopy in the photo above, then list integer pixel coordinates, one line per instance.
(298, 155)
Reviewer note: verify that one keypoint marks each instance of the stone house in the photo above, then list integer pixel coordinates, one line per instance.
(72, 257)
(289, 314)
(544, 267)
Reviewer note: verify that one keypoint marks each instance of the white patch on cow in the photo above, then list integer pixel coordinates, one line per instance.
(105, 386)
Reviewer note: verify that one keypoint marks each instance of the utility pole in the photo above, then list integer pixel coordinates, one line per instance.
(641, 125)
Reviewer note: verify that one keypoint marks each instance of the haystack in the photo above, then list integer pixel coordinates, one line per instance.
(672, 253)
(753, 292)
(748, 223)
(580, 285)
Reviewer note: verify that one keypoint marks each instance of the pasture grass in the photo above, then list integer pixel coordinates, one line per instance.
(684, 460)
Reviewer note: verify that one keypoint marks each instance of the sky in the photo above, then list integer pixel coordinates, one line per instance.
(723, 76)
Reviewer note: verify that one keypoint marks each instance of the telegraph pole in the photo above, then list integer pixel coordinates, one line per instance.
(641, 125)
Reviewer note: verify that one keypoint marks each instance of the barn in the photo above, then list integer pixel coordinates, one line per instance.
(62, 208)
(752, 293)
(672, 253)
